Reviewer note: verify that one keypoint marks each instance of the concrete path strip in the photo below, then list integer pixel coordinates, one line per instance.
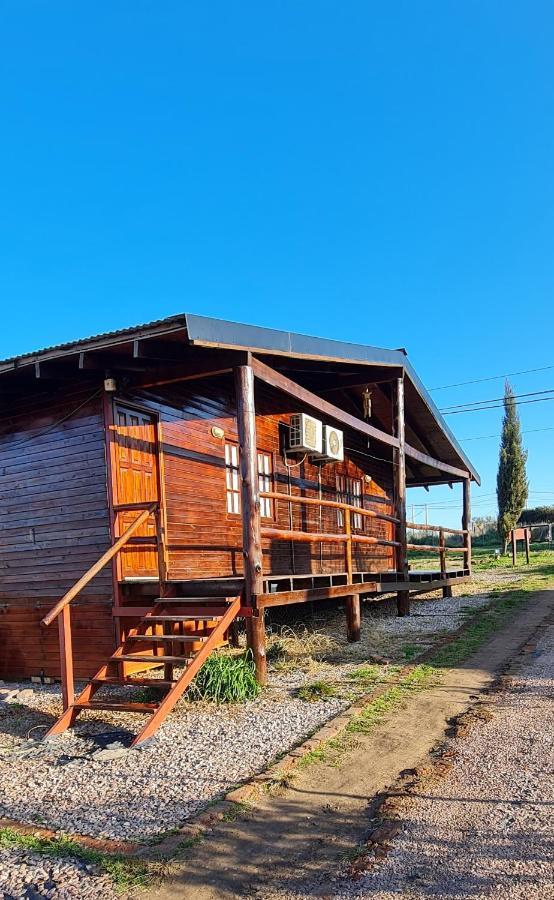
(303, 834)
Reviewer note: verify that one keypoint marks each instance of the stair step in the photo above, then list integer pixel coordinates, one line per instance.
(119, 707)
(224, 601)
(196, 612)
(151, 660)
(134, 682)
(162, 638)
(187, 618)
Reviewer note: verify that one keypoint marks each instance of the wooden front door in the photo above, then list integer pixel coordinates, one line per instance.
(135, 482)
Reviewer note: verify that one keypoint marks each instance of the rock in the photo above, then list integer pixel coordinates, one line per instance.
(25, 694)
(108, 755)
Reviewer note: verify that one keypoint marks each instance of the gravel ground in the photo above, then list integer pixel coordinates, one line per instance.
(29, 876)
(195, 756)
(73, 784)
(486, 830)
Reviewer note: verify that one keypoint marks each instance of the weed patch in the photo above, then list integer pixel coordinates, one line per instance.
(125, 873)
(317, 690)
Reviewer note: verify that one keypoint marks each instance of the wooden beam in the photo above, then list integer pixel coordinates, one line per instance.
(466, 521)
(434, 463)
(250, 511)
(66, 658)
(293, 389)
(304, 595)
(402, 597)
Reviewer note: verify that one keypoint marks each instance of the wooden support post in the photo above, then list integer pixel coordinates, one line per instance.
(447, 589)
(250, 509)
(353, 615)
(66, 657)
(514, 546)
(403, 597)
(527, 543)
(466, 522)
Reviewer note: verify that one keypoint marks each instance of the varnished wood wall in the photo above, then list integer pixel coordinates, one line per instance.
(204, 540)
(54, 520)
(53, 526)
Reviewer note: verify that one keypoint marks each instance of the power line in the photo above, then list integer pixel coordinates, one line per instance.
(456, 412)
(495, 400)
(484, 437)
(443, 387)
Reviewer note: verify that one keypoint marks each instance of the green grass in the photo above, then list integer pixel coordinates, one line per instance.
(125, 872)
(486, 622)
(226, 678)
(316, 690)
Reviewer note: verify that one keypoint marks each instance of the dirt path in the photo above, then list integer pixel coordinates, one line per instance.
(484, 829)
(300, 837)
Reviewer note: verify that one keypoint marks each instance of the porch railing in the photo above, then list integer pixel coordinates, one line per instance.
(62, 609)
(441, 547)
(346, 537)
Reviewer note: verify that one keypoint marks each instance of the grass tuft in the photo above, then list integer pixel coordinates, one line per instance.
(226, 678)
(125, 872)
(317, 690)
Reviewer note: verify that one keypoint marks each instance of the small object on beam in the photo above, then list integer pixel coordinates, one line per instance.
(366, 397)
(217, 432)
(110, 385)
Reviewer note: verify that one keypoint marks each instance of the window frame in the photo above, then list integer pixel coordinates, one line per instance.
(350, 490)
(233, 500)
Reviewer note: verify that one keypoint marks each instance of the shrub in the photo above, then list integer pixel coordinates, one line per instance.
(226, 678)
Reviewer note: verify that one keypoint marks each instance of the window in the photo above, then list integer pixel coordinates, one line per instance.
(349, 490)
(232, 480)
(265, 478)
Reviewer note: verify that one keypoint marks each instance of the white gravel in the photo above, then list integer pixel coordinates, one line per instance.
(29, 876)
(487, 829)
(198, 753)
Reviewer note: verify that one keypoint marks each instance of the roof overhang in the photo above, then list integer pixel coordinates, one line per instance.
(217, 334)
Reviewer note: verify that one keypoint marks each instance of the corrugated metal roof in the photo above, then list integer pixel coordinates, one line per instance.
(209, 332)
(179, 321)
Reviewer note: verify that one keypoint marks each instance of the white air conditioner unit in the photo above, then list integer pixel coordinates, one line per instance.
(333, 443)
(305, 434)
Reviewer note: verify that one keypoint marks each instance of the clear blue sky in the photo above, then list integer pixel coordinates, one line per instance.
(370, 172)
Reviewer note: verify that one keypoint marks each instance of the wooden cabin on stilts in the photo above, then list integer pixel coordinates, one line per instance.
(161, 483)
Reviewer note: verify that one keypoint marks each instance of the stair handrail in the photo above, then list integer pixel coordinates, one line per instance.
(98, 566)
(62, 609)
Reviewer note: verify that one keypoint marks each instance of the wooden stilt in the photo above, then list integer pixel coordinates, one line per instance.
(353, 614)
(466, 521)
(403, 597)
(250, 509)
(403, 603)
(255, 636)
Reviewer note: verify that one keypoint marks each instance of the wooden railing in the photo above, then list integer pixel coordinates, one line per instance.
(62, 611)
(347, 537)
(441, 547)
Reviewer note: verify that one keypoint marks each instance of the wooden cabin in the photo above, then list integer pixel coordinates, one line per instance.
(159, 483)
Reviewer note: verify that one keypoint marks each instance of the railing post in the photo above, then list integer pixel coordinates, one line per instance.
(402, 597)
(250, 510)
(447, 589)
(66, 657)
(466, 522)
(353, 615)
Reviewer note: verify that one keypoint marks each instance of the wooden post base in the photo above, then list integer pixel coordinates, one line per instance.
(255, 638)
(353, 617)
(447, 591)
(403, 603)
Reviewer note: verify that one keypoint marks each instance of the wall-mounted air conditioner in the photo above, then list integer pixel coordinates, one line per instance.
(333, 443)
(305, 435)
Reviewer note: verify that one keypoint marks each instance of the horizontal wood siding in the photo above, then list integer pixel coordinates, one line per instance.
(203, 539)
(53, 526)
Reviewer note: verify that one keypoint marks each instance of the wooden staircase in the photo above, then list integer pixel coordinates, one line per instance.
(145, 646)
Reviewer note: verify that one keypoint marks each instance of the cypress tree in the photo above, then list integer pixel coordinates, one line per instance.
(511, 482)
